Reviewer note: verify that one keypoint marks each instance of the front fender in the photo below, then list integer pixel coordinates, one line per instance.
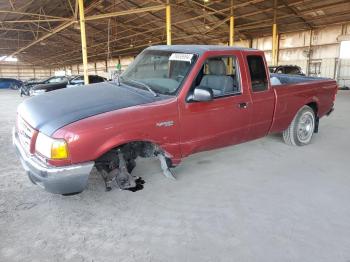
(92, 137)
(90, 145)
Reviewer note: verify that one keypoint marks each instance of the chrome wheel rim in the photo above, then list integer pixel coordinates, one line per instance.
(306, 127)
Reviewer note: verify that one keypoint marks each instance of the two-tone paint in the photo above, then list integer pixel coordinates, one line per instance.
(94, 120)
(198, 126)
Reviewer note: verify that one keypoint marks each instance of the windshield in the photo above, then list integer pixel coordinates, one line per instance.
(55, 79)
(292, 70)
(161, 71)
(77, 79)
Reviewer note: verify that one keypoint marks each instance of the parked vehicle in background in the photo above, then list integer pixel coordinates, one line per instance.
(25, 88)
(79, 80)
(10, 83)
(32, 81)
(28, 85)
(286, 69)
(50, 84)
(171, 102)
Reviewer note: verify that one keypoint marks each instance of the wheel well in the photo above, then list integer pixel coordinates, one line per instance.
(130, 151)
(314, 107)
(109, 160)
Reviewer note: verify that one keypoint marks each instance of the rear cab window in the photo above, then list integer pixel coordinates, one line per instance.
(257, 73)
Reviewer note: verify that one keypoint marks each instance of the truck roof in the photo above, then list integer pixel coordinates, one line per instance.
(197, 49)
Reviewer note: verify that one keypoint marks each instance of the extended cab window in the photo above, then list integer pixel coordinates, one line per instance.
(257, 73)
(221, 75)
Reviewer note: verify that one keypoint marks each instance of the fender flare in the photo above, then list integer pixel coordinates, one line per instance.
(122, 139)
(311, 100)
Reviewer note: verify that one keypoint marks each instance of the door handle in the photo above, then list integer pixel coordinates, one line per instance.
(243, 105)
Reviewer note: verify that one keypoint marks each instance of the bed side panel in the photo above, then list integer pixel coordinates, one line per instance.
(290, 98)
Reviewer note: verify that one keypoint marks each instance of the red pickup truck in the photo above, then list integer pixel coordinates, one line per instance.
(172, 101)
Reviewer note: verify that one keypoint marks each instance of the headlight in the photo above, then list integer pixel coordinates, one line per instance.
(51, 148)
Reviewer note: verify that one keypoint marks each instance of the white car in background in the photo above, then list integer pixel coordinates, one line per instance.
(79, 80)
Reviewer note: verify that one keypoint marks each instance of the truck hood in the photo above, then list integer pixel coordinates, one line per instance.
(51, 111)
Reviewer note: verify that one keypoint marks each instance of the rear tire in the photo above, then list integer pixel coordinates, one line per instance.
(300, 131)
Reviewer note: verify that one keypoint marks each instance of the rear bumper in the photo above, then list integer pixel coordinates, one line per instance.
(58, 180)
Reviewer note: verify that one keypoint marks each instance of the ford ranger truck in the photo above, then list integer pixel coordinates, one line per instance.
(171, 102)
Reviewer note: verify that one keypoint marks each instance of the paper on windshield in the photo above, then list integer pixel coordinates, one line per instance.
(181, 57)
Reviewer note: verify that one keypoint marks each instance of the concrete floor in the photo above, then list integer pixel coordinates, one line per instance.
(259, 201)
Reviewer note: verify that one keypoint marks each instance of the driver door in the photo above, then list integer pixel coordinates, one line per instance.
(225, 119)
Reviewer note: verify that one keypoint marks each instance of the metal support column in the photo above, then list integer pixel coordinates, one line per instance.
(232, 26)
(274, 45)
(275, 36)
(83, 40)
(250, 43)
(168, 23)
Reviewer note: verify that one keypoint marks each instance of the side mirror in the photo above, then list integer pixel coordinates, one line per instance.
(202, 94)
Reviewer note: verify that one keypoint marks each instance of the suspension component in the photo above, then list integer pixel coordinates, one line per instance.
(123, 178)
(116, 166)
(164, 165)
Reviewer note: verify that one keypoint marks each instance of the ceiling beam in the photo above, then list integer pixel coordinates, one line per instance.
(44, 20)
(54, 31)
(126, 12)
(29, 14)
(292, 9)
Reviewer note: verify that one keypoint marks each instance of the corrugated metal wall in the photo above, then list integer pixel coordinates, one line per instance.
(344, 72)
(318, 56)
(101, 68)
(22, 71)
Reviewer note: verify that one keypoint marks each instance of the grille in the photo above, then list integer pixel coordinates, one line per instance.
(25, 133)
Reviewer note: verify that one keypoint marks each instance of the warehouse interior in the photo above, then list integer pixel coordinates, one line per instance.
(256, 201)
(309, 33)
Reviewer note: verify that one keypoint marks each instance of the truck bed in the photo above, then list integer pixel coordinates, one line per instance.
(296, 91)
(284, 79)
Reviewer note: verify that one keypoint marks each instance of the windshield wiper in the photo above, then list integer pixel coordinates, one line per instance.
(140, 83)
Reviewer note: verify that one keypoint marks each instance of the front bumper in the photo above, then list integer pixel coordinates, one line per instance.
(58, 180)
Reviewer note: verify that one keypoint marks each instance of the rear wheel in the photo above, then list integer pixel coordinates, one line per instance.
(300, 131)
